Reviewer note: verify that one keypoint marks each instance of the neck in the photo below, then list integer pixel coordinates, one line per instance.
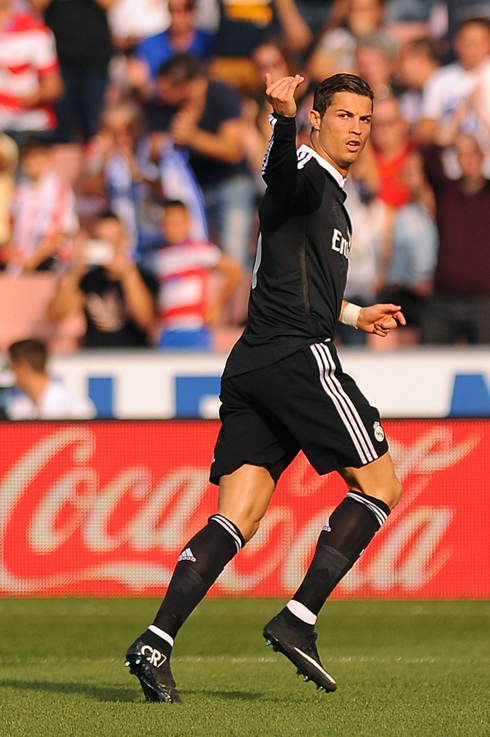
(315, 145)
(181, 39)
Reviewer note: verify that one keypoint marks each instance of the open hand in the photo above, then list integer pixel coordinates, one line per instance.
(380, 319)
(280, 94)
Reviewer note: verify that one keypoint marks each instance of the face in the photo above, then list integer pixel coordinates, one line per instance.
(111, 231)
(389, 128)
(415, 68)
(412, 174)
(374, 66)
(21, 371)
(269, 60)
(472, 45)
(123, 127)
(35, 163)
(173, 94)
(342, 133)
(182, 16)
(364, 16)
(176, 225)
(470, 158)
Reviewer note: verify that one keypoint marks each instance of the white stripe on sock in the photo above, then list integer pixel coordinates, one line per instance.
(228, 526)
(299, 610)
(161, 634)
(380, 514)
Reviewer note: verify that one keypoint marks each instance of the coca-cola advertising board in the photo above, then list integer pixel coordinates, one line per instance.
(105, 508)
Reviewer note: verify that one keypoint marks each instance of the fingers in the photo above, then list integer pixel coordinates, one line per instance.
(393, 311)
(389, 308)
(283, 88)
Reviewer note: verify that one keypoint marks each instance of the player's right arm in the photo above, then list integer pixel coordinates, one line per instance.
(280, 169)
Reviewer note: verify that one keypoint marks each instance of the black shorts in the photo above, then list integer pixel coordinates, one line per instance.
(303, 402)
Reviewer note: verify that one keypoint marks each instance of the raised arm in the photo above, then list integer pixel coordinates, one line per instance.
(280, 169)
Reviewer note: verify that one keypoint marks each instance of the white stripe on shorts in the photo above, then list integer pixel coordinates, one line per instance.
(349, 402)
(343, 404)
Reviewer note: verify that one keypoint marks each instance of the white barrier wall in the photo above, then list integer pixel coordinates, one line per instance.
(403, 383)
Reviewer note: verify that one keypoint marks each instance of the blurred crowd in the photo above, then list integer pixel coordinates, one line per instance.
(131, 145)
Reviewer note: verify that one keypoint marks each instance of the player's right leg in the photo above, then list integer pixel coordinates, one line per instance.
(243, 499)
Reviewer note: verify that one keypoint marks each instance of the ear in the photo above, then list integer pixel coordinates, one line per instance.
(315, 119)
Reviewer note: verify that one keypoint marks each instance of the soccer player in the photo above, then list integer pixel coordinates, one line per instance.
(283, 388)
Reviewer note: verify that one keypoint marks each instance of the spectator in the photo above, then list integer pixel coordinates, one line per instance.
(376, 57)
(392, 148)
(371, 242)
(30, 81)
(460, 307)
(117, 297)
(181, 37)
(242, 27)
(119, 168)
(336, 50)
(84, 45)
(187, 308)
(42, 398)
(457, 96)
(419, 59)
(44, 217)
(205, 117)
(414, 246)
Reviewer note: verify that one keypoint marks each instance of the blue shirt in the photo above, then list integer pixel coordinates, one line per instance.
(415, 242)
(156, 50)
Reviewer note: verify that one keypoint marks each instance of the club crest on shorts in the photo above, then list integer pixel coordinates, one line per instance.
(379, 433)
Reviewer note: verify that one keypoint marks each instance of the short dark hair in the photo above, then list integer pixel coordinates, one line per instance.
(35, 142)
(107, 215)
(480, 20)
(426, 46)
(168, 204)
(327, 89)
(181, 68)
(31, 350)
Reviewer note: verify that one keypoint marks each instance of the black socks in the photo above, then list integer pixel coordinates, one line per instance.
(348, 531)
(199, 565)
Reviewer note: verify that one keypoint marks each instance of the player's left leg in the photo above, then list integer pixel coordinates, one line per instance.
(373, 491)
(244, 496)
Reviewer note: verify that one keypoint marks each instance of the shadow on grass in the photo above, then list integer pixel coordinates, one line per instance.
(100, 693)
(111, 694)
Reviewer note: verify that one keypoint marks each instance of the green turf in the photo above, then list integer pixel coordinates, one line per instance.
(403, 668)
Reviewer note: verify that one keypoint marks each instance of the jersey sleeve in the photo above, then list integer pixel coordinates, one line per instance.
(280, 167)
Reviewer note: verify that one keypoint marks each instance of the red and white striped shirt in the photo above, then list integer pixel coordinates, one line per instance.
(40, 211)
(27, 53)
(183, 271)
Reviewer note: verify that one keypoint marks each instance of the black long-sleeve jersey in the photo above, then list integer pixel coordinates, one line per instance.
(302, 255)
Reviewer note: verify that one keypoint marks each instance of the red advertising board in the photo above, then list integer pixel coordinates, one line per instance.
(104, 508)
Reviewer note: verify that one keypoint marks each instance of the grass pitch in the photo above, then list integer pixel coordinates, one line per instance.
(403, 668)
